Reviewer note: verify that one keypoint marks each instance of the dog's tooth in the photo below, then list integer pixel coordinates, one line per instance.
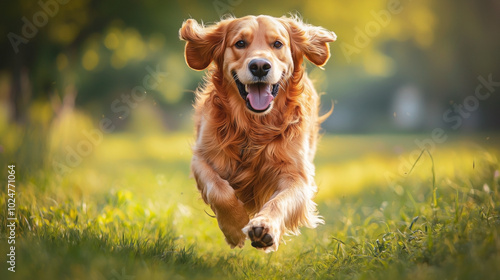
(246, 87)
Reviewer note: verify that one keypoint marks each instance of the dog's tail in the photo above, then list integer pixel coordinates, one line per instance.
(323, 118)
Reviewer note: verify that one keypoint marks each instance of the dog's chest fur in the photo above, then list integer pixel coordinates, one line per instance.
(251, 160)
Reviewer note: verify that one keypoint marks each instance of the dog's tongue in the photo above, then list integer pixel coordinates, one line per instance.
(259, 96)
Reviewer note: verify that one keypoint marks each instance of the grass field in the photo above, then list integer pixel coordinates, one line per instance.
(130, 211)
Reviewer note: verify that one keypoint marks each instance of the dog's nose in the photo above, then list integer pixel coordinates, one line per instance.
(259, 67)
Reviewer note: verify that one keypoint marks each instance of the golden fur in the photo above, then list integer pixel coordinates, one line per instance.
(256, 170)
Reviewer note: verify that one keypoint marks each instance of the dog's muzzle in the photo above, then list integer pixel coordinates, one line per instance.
(258, 96)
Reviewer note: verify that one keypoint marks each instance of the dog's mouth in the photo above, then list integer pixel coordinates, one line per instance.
(258, 96)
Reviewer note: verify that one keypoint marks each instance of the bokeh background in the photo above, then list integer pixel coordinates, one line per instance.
(387, 74)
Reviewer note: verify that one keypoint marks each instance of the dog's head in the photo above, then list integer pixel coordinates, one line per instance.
(257, 54)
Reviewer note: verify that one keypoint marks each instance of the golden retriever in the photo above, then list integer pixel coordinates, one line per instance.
(257, 124)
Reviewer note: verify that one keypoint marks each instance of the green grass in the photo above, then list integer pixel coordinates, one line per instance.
(131, 211)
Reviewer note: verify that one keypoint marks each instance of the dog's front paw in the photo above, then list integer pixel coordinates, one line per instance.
(232, 217)
(235, 239)
(263, 234)
(232, 231)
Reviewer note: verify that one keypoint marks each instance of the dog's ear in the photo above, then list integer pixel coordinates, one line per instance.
(308, 40)
(204, 44)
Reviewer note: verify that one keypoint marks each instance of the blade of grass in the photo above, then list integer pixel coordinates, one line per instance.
(434, 188)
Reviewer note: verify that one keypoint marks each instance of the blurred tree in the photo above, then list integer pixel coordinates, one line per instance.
(98, 50)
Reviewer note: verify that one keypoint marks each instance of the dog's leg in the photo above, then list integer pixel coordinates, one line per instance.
(215, 191)
(290, 207)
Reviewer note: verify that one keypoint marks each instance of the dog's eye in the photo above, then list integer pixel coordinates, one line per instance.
(240, 44)
(278, 44)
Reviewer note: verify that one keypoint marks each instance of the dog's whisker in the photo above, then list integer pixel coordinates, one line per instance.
(283, 84)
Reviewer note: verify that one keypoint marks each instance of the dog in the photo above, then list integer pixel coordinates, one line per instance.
(257, 122)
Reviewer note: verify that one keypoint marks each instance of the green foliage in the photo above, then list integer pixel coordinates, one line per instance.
(96, 51)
